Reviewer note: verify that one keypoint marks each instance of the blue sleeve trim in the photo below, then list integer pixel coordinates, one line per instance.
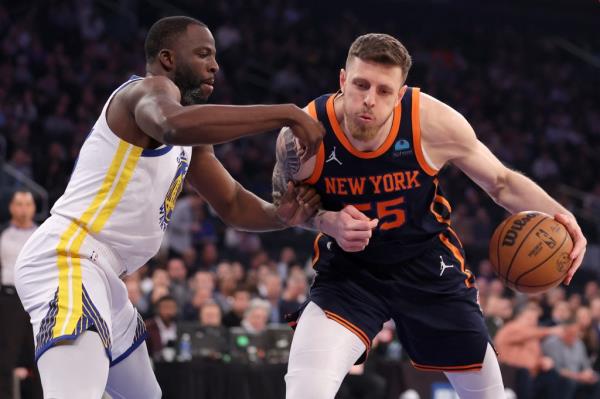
(149, 152)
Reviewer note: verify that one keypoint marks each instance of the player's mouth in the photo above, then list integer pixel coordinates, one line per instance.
(366, 118)
(208, 85)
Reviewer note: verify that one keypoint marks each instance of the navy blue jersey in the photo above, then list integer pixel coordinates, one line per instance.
(393, 183)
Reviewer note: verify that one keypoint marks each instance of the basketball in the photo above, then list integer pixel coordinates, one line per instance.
(530, 252)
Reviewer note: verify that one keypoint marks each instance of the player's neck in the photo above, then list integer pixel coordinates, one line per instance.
(362, 145)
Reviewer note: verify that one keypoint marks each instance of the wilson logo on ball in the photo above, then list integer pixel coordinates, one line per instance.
(513, 232)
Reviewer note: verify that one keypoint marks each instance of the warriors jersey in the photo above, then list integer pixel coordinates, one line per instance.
(394, 183)
(121, 194)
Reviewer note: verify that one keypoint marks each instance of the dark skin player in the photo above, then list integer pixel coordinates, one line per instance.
(167, 107)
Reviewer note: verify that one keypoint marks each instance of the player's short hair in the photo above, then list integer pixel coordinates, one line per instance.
(380, 48)
(164, 32)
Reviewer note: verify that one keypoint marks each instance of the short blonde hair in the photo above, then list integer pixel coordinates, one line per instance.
(381, 48)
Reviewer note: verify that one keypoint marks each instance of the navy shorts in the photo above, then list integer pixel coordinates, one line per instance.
(431, 298)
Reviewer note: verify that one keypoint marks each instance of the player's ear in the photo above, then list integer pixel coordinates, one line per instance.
(166, 58)
(401, 93)
(342, 79)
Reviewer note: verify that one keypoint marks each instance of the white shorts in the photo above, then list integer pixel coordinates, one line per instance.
(69, 283)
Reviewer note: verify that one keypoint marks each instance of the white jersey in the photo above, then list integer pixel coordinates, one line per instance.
(121, 194)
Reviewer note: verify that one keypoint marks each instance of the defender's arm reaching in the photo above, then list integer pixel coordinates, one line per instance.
(349, 227)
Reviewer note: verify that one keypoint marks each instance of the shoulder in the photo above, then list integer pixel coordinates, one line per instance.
(151, 86)
(444, 130)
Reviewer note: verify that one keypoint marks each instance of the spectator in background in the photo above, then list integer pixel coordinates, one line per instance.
(518, 343)
(287, 257)
(591, 290)
(583, 318)
(561, 312)
(185, 222)
(16, 336)
(239, 305)
(295, 291)
(178, 287)
(572, 362)
(162, 328)
(595, 313)
(498, 311)
(256, 316)
(201, 296)
(160, 287)
(272, 294)
(210, 315)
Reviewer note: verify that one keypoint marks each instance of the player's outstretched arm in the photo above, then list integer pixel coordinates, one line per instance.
(155, 105)
(448, 137)
(349, 227)
(237, 206)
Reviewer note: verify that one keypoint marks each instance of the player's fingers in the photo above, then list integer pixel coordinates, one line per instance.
(354, 224)
(574, 267)
(355, 213)
(579, 241)
(289, 192)
(352, 235)
(306, 193)
(314, 202)
(373, 223)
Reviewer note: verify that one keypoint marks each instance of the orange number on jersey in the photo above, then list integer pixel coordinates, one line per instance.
(386, 209)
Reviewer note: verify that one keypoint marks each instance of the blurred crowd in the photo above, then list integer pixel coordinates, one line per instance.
(535, 106)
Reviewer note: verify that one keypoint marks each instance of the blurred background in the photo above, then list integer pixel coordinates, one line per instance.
(525, 74)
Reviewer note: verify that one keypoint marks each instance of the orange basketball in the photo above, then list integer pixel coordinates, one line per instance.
(530, 252)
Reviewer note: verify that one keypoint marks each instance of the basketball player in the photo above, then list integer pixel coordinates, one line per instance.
(386, 248)
(119, 201)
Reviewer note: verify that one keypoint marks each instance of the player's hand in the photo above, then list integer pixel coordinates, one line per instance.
(579, 243)
(298, 204)
(350, 228)
(309, 132)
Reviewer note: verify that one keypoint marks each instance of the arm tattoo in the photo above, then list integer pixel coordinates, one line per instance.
(287, 165)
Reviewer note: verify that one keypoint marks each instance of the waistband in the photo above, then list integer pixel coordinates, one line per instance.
(99, 252)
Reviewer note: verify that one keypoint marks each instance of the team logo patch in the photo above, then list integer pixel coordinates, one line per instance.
(166, 209)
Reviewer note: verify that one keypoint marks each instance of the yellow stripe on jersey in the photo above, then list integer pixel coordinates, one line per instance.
(68, 257)
(117, 194)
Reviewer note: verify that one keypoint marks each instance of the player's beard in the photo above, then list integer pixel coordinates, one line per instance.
(189, 85)
(361, 132)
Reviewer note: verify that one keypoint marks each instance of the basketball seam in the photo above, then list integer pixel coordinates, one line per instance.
(544, 261)
(510, 265)
(539, 285)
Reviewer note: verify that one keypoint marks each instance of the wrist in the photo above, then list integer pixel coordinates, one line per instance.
(290, 112)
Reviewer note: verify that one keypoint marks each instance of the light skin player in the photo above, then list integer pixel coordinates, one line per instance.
(364, 109)
(371, 91)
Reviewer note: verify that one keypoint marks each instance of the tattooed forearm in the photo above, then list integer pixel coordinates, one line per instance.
(287, 165)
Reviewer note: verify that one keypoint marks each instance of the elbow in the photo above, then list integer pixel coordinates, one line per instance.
(499, 186)
(171, 133)
(173, 130)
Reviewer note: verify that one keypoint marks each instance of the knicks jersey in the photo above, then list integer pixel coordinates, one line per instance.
(121, 194)
(394, 183)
